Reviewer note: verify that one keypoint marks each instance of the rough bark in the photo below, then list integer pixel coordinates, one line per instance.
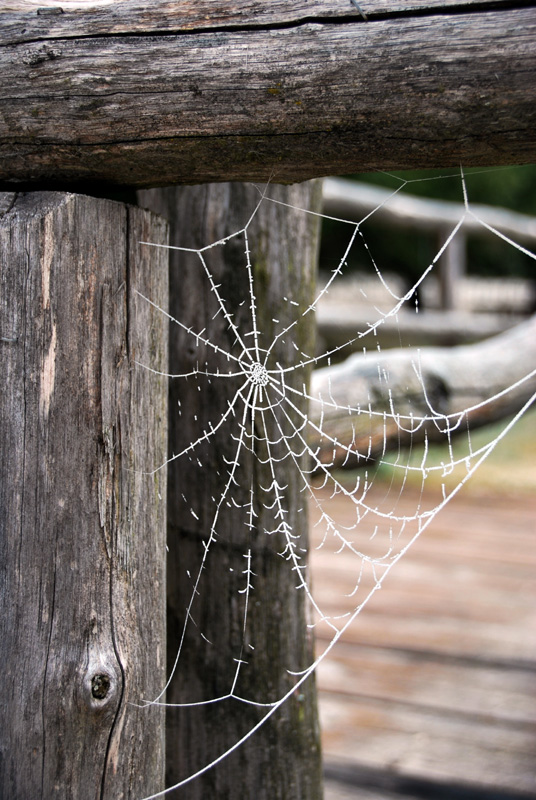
(82, 547)
(282, 759)
(132, 16)
(139, 95)
(434, 380)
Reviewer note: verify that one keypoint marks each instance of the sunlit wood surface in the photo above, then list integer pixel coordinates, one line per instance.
(432, 692)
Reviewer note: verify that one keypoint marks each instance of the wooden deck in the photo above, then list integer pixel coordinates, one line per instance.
(432, 692)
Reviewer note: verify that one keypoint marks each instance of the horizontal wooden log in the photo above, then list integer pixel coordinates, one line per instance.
(337, 324)
(432, 381)
(107, 17)
(138, 94)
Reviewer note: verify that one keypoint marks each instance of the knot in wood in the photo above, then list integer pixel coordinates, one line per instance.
(100, 686)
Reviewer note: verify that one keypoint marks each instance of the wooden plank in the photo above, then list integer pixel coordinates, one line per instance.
(344, 781)
(355, 200)
(338, 323)
(457, 686)
(487, 616)
(436, 747)
(82, 549)
(432, 689)
(501, 384)
(278, 103)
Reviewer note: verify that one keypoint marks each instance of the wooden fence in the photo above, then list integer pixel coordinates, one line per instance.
(354, 200)
(131, 95)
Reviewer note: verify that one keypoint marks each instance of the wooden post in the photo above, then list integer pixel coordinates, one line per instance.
(82, 547)
(451, 269)
(282, 759)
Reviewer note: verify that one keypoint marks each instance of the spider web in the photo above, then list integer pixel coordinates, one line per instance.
(267, 420)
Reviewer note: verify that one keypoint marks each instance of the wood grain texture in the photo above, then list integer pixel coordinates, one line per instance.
(82, 528)
(282, 759)
(435, 684)
(26, 21)
(283, 99)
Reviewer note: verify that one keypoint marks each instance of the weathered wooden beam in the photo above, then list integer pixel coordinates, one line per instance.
(140, 94)
(107, 17)
(82, 547)
(222, 501)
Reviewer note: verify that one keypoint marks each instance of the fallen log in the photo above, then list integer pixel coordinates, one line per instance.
(374, 402)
